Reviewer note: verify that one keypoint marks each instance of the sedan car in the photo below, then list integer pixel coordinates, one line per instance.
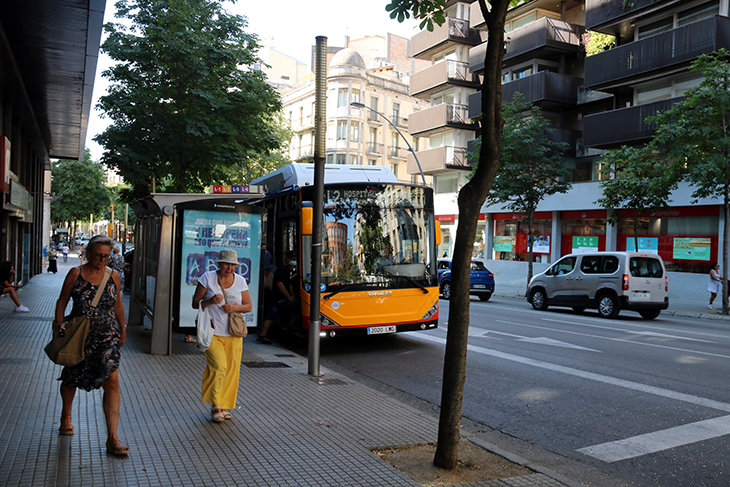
(481, 281)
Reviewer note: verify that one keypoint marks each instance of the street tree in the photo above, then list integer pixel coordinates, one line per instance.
(530, 167)
(693, 136)
(470, 200)
(79, 190)
(634, 179)
(185, 99)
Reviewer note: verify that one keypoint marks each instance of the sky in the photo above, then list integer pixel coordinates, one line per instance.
(293, 25)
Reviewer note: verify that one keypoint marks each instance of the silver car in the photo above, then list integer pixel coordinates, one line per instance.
(606, 281)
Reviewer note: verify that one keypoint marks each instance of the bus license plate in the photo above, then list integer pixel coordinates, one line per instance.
(641, 295)
(379, 330)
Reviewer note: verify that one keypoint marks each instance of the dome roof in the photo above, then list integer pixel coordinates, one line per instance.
(347, 57)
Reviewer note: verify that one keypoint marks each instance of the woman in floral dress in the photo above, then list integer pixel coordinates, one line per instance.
(107, 335)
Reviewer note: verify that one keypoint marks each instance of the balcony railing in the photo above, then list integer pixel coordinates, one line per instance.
(657, 53)
(397, 152)
(373, 148)
(602, 12)
(452, 31)
(436, 77)
(544, 34)
(544, 88)
(610, 129)
(304, 152)
(439, 116)
(437, 160)
(374, 118)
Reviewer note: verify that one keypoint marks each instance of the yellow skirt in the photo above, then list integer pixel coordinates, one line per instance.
(220, 379)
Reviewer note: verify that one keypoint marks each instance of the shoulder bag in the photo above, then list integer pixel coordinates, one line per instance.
(69, 338)
(236, 326)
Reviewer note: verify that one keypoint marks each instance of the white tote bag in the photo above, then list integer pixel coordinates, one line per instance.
(205, 329)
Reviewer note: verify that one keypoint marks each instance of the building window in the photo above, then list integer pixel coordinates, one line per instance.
(342, 97)
(657, 27)
(355, 96)
(354, 131)
(372, 162)
(330, 158)
(446, 183)
(342, 130)
(699, 12)
(355, 160)
(396, 113)
(341, 158)
(394, 144)
(394, 168)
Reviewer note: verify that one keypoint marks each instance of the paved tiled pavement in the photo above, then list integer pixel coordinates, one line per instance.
(289, 430)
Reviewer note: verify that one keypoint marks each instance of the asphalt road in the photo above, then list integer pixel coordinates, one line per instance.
(604, 402)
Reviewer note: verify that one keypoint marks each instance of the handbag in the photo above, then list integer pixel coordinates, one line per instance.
(204, 325)
(69, 338)
(236, 326)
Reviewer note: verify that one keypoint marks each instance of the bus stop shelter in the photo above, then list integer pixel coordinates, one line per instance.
(177, 238)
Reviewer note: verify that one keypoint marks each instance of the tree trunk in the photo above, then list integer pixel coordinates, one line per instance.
(530, 241)
(471, 198)
(636, 231)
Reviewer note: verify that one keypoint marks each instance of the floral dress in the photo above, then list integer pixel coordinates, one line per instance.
(103, 345)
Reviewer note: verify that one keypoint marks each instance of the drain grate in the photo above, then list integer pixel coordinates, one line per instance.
(284, 355)
(265, 365)
(330, 382)
(14, 361)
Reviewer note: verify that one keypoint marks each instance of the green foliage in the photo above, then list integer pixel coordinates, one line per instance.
(597, 42)
(183, 101)
(531, 166)
(638, 180)
(428, 11)
(79, 187)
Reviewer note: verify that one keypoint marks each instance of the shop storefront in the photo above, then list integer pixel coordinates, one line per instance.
(583, 231)
(510, 241)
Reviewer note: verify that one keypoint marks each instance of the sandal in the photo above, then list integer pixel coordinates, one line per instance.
(190, 339)
(66, 430)
(226, 414)
(117, 449)
(218, 416)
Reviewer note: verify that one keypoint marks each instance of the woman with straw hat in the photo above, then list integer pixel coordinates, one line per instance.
(220, 379)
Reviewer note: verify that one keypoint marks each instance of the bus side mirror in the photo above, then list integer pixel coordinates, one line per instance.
(306, 218)
(438, 232)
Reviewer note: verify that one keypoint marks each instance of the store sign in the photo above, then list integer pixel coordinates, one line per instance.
(646, 245)
(230, 189)
(585, 244)
(503, 243)
(691, 248)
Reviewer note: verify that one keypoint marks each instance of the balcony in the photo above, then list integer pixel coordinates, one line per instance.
(545, 89)
(607, 130)
(600, 14)
(439, 117)
(526, 42)
(374, 148)
(656, 54)
(453, 32)
(437, 77)
(397, 152)
(303, 153)
(438, 160)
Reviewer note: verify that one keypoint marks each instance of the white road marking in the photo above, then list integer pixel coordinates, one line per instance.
(657, 441)
(625, 330)
(664, 335)
(537, 340)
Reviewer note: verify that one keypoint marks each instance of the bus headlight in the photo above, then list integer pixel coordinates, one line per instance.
(327, 321)
(430, 312)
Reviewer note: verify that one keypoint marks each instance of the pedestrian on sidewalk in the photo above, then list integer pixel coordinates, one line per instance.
(64, 251)
(116, 262)
(81, 260)
(52, 256)
(107, 335)
(715, 283)
(7, 278)
(220, 379)
(284, 300)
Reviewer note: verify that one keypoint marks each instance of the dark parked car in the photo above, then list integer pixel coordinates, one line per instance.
(481, 281)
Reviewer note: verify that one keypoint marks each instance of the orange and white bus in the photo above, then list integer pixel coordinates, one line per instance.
(379, 247)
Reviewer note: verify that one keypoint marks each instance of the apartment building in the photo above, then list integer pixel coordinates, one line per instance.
(596, 103)
(374, 135)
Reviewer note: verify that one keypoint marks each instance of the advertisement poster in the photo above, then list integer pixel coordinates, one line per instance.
(647, 245)
(207, 232)
(585, 244)
(503, 243)
(541, 245)
(691, 248)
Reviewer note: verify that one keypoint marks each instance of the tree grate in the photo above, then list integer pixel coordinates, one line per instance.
(265, 365)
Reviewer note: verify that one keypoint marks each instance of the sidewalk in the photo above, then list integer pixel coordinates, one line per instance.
(289, 429)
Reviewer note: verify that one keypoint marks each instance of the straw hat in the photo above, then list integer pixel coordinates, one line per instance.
(227, 256)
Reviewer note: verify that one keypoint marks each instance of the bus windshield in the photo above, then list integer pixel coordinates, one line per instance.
(375, 235)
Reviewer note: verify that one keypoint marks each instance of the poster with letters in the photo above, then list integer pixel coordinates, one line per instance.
(647, 245)
(691, 248)
(585, 244)
(207, 232)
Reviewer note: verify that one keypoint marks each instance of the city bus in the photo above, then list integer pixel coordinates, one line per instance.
(379, 247)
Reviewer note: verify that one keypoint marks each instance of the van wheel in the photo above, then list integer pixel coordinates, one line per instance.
(608, 306)
(446, 290)
(538, 300)
(650, 314)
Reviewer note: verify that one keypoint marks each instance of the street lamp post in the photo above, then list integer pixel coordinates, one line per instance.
(355, 104)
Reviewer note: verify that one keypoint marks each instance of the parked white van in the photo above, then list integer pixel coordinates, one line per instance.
(606, 281)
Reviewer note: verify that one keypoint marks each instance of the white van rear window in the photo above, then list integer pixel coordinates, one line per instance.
(645, 267)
